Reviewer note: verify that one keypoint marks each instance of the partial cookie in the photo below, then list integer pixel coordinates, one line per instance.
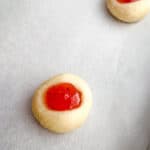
(129, 10)
(62, 103)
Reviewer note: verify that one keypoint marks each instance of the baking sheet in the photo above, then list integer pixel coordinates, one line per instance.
(41, 38)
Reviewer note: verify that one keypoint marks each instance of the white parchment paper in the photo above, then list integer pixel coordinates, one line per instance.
(40, 38)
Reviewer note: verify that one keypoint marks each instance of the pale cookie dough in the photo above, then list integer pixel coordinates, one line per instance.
(129, 12)
(62, 121)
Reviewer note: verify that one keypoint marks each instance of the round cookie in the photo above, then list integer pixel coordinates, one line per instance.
(62, 103)
(128, 10)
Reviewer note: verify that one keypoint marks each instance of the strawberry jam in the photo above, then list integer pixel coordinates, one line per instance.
(126, 1)
(63, 96)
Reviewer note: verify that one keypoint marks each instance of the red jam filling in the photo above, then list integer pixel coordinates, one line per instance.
(63, 96)
(126, 1)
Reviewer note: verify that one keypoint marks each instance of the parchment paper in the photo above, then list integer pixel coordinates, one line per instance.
(40, 38)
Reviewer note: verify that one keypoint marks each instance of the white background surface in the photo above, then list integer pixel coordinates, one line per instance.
(40, 38)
